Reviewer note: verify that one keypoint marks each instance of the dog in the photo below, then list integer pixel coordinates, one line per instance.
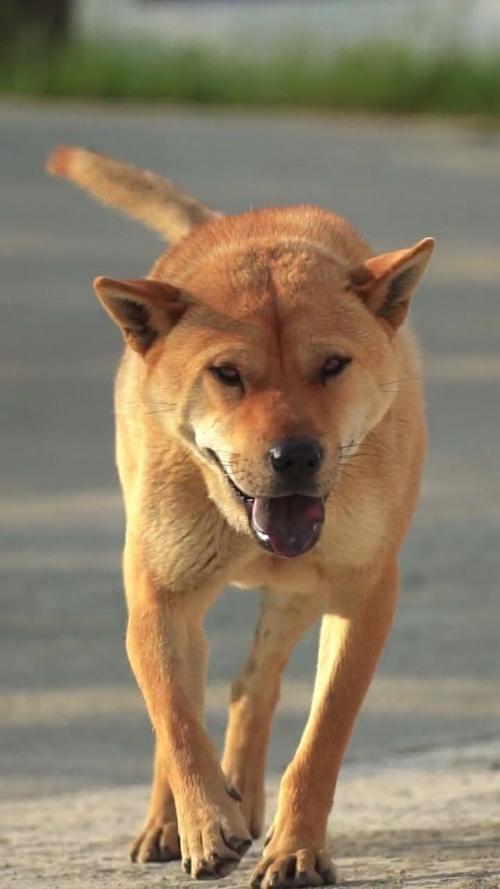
(271, 434)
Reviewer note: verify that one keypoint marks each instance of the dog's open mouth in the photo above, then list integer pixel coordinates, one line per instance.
(288, 525)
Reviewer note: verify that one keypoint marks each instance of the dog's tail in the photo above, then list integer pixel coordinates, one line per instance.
(155, 201)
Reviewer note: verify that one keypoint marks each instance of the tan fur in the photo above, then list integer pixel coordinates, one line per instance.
(157, 202)
(273, 293)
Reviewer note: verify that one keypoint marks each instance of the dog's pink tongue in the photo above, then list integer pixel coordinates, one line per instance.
(289, 526)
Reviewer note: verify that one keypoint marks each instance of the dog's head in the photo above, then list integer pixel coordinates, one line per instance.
(271, 350)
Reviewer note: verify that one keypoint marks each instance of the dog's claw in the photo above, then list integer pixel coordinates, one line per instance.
(238, 845)
(204, 873)
(234, 792)
(269, 836)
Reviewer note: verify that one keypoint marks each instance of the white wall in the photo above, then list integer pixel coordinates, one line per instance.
(255, 26)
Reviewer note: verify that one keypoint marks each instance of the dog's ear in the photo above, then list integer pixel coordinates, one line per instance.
(143, 309)
(387, 282)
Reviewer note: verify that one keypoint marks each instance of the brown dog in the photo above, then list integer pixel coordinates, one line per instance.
(270, 433)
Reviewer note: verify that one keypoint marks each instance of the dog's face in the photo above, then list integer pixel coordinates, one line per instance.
(272, 363)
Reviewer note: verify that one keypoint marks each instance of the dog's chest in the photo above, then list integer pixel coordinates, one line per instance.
(291, 576)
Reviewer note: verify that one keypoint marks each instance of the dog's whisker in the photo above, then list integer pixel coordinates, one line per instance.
(401, 380)
(169, 404)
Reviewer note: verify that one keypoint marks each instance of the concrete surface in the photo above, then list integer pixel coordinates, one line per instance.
(75, 741)
(440, 828)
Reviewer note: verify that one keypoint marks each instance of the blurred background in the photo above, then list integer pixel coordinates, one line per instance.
(386, 111)
(394, 55)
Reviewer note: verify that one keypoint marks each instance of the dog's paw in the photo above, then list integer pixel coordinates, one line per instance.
(288, 869)
(157, 842)
(213, 841)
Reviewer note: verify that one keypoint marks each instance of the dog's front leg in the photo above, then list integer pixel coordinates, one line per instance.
(351, 642)
(159, 838)
(164, 630)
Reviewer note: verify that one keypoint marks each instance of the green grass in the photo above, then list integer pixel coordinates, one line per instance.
(388, 77)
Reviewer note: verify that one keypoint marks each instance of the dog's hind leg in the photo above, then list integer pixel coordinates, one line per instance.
(284, 618)
(159, 839)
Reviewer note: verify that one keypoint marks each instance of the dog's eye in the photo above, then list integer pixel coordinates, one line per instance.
(227, 374)
(333, 366)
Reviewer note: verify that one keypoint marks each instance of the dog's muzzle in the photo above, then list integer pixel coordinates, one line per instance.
(288, 525)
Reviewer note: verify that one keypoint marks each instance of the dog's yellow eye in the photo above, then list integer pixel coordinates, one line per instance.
(227, 374)
(333, 366)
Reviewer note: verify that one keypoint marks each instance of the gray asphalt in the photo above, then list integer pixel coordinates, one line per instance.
(70, 714)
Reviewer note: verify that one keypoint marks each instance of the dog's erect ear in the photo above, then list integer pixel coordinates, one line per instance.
(387, 282)
(143, 309)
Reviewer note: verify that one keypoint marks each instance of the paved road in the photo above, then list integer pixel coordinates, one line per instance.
(69, 709)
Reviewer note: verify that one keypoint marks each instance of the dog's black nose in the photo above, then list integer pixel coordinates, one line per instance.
(296, 459)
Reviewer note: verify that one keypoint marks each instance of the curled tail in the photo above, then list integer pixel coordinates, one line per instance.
(157, 202)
